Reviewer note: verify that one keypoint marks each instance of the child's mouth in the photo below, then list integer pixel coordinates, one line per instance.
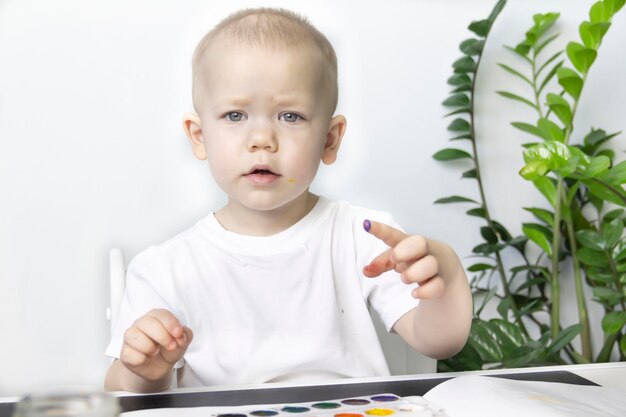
(261, 176)
(262, 172)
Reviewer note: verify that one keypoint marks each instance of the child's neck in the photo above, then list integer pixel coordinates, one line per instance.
(242, 220)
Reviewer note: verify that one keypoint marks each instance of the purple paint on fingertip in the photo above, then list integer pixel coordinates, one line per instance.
(367, 225)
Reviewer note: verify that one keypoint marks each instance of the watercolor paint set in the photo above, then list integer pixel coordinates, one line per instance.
(382, 405)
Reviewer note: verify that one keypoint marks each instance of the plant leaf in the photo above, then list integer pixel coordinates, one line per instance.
(545, 216)
(597, 166)
(488, 234)
(612, 231)
(549, 61)
(557, 156)
(485, 341)
(600, 13)
(516, 73)
(543, 22)
(539, 234)
(545, 43)
(496, 10)
(528, 128)
(478, 212)
(472, 173)
(606, 191)
(462, 88)
(457, 100)
(449, 154)
(592, 33)
(480, 267)
(570, 81)
(520, 53)
(459, 111)
(517, 98)
(550, 130)
(501, 231)
(459, 125)
(524, 355)
(581, 57)
(472, 46)
(563, 338)
(613, 214)
(509, 334)
(460, 79)
(613, 321)
(596, 137)
(534, 170)
(455, 199)
(547, 188)
(549, 76)
(613, 6)
(480, 27)
(464, 65)
(461, 137)
(607, 295)
(591, 257)
(591, 239)
(487, 248)
(560, 107)
(617, 174)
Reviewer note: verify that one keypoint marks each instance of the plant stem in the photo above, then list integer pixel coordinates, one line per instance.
(555, 306)
(535, 89)
(616, 277)
(583, 317)
(483, 199)
(578, 282)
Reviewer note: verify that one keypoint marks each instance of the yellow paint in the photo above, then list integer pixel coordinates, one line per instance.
(291, 180)
(545, 399)
(379, 412)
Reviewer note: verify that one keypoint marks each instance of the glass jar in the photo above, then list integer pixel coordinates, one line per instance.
(68, 404)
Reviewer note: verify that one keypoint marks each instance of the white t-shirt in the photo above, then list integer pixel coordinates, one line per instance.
(285, 307)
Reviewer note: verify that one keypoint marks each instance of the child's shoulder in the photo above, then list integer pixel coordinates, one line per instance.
(176, 245)
(359, 213)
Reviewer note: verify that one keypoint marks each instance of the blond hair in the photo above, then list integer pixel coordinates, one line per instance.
(269, 28)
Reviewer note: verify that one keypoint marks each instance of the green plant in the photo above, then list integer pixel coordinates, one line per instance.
(574, 179)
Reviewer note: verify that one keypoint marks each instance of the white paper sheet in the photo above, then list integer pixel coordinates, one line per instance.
(481, 396)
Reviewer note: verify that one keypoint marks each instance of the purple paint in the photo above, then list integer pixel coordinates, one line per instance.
(385, 398)
(367, 225)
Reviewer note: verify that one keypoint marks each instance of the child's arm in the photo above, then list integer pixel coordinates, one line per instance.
(439, 326)
(152, 345)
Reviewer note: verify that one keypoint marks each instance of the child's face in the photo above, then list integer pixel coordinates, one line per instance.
(265, 124)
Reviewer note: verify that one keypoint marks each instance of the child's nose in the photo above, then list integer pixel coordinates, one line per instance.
(263, 137)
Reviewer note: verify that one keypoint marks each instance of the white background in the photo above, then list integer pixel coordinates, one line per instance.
(92, 154)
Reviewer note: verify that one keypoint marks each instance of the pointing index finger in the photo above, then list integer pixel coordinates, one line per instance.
(390, 235)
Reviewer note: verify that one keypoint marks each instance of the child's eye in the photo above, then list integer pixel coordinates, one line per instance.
(290, 117)
(235, 116)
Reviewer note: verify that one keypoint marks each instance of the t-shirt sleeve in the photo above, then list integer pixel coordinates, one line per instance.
(389, 297)
(145, 286)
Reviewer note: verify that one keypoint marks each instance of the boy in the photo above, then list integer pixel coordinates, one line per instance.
(276, 284)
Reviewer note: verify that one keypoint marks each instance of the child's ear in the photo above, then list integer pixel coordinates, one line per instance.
(193, 130)
(336, 129)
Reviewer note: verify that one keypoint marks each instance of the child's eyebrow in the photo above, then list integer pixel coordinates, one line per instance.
(238, 101)
(288, 100)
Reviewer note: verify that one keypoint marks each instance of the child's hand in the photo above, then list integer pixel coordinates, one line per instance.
(410, 256)
(154, 343)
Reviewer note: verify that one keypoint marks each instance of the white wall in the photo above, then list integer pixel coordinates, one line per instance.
(92, 153)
